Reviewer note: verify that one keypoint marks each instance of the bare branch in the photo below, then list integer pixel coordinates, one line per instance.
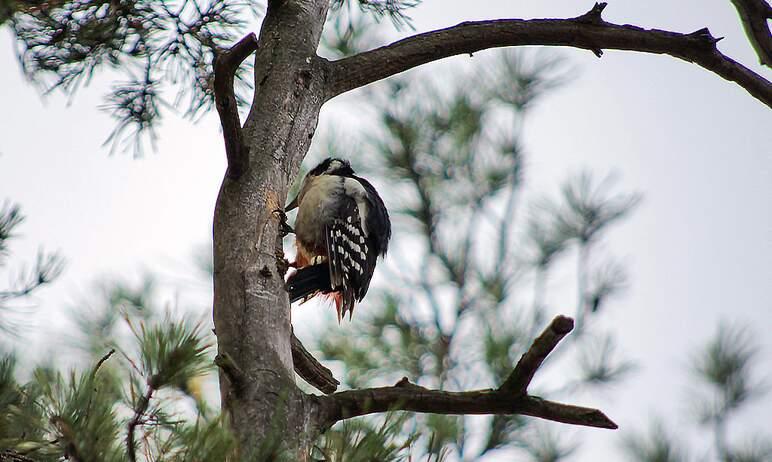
(225, 67)
(521, 376)
(588, 31)
(754, 15)
(410, 397)
(307, 367)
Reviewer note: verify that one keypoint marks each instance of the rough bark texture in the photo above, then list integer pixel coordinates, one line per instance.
(251, 308)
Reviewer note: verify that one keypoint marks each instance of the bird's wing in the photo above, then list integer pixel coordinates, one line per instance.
(347, 254)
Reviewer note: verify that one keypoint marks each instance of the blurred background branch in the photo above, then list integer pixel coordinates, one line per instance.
(25, 280)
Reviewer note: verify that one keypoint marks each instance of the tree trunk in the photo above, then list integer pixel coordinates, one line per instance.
(251, 308)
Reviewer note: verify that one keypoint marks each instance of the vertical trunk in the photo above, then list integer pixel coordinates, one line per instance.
(251, 309)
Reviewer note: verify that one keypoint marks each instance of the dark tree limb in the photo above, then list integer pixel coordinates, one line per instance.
(588, 31)
(754, 15)
(311, 370)
(505, 400)
(529, 363)
(225, 66)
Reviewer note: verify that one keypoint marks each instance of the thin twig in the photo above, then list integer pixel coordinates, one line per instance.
(588, 31)
(101, 361)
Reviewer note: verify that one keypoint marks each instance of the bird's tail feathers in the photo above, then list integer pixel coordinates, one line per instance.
(309, 280)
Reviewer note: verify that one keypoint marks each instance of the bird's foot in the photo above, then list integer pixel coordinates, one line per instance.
(282, 264)
(284, 227)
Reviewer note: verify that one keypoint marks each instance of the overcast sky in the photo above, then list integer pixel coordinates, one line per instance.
(699, 248)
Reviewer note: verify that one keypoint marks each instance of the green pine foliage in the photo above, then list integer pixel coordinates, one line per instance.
(656, 446)
(396, 10)
(199, 441)
(80, 416)
(365, 440)
(91, 415)
(171, 353)
(164, 50)
(147, 377)
(20, 416)
(56, 415)
(725, 381)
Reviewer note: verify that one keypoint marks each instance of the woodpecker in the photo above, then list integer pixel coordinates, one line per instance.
(341, 228)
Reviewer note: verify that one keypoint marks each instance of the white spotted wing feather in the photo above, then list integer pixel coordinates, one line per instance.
(351, 266)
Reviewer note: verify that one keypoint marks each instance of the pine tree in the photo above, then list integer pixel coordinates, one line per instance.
(63, 44)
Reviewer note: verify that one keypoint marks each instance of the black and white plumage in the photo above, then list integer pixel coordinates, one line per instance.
(341, 228)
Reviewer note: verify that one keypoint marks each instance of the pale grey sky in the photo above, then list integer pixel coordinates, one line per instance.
(699, 248)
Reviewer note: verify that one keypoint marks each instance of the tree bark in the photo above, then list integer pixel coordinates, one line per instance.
(251, 307)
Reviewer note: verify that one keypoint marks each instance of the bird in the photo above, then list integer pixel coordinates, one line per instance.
(341, 229)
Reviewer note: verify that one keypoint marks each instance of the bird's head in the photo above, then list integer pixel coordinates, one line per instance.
(332, 166)
(329, 166)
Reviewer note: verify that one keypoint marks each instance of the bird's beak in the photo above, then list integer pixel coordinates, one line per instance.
(292, 205)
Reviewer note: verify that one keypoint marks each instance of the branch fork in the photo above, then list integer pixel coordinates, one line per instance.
(510, 398)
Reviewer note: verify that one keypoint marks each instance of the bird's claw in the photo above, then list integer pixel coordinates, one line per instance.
(282, 265)
(284, 227)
